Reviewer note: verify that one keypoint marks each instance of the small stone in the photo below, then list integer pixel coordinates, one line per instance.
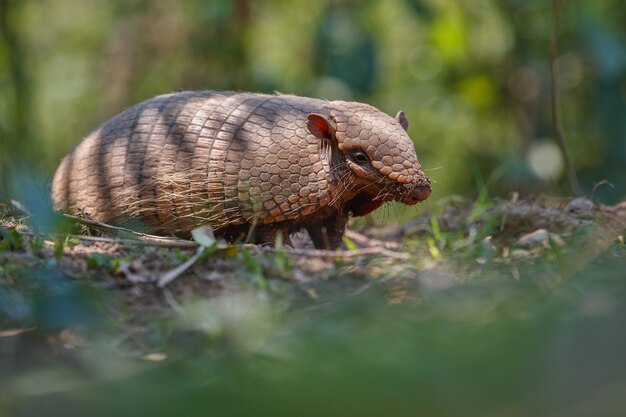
(538, 237)
(214, 276)
(136, 265)
(581, 207)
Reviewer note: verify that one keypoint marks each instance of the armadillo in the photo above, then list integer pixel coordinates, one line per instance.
(246, 164)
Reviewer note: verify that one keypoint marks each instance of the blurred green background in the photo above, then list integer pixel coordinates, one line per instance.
(473, 77)
(542, 336)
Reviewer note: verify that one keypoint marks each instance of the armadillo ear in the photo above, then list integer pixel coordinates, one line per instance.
(322, 127)
(401, 118)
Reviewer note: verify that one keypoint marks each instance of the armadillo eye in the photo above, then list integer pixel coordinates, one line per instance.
(360, 157)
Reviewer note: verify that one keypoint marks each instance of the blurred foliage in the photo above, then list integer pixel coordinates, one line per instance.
(473, 77)
(543, 342)
(480, 337)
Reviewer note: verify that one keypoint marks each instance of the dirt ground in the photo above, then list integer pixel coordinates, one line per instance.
(431, 250)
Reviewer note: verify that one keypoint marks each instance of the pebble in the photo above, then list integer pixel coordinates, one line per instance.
(581, 207)
(538, 237)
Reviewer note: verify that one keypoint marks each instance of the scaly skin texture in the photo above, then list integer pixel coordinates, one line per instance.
(236, 161)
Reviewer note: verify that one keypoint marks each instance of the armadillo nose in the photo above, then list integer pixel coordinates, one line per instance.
(421, 192)
(417, 194)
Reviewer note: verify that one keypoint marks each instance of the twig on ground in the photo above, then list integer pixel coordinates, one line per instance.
(171, 300)
(165, 242)
(130, 235)
(172, 274)
(363, 240)
(16, 332)
(321, 253)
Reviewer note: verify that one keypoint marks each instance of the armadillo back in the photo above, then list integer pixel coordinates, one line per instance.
(182, 160)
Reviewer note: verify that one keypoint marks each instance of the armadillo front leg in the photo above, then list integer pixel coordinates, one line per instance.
(328, 233)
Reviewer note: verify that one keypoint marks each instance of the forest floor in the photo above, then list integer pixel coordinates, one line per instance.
(459, 261)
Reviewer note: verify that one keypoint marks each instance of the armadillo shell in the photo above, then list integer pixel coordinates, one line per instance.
(182, 160)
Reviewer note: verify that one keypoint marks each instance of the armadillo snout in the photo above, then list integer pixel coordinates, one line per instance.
(419, 193)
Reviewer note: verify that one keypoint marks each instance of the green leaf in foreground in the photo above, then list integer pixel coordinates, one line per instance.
(204, 236)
